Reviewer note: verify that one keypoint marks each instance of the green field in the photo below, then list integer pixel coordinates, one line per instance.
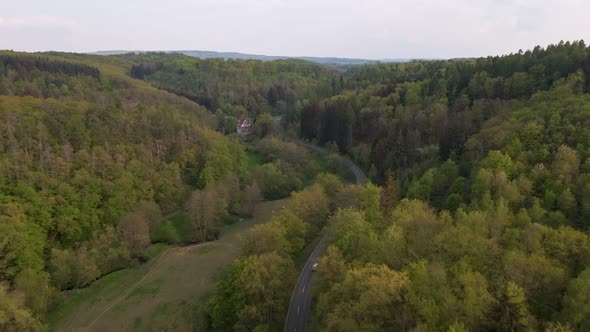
(165, 294)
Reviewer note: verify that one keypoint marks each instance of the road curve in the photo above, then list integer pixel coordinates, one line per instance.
(300, 304)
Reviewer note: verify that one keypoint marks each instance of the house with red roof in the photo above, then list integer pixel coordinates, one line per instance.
(244, 126)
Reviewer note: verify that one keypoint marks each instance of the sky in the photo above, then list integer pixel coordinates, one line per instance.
(370, 29)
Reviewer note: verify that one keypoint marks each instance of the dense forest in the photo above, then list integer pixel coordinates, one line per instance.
(253, 294)
(481, 221)
(448, 130)
(477, 217)
(235, 88)
(89, 162)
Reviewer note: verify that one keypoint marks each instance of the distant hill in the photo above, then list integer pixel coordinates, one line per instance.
(244, 56)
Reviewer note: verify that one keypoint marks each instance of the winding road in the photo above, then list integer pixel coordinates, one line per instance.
(300, 304)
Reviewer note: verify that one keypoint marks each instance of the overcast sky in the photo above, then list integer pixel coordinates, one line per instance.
(374, 29)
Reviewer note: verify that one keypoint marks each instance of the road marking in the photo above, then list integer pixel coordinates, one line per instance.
(303, 291)
(298, 307)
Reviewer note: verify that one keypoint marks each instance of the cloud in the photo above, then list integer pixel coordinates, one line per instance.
(41, 21)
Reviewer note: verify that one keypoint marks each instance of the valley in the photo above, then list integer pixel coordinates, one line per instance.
(165, 293)
(159, 191)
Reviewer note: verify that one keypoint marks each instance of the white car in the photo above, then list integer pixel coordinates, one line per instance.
(315, 266)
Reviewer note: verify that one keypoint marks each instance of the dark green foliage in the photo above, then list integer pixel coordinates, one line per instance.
(236, 85)
(22, 63)
(410, 107)
(501, 143)
(467, 133)
(288, 166)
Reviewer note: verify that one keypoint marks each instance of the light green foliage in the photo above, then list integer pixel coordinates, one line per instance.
(501, 142)
(35, 286)
(422, 188)
(288, 167)
(457, 327)
(430, 297)
(557, 327)
(368, 298)
(228, 299)
(266, 292)
(330, 183)
(265, 238)
(272, 148)
(296, 229)
(254, 293)
(223, 158)
(496, 161)
(515, 314)
(566, 165)
(21, 245)
(419, 226)
(311, 205)
(88, 161)
(14, 317)
(476, 301)
(353, 235)
(455, 264)
(332, 268)
(371, 205)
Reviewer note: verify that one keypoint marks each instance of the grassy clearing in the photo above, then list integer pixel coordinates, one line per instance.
(98, 294)
(171, 298)
(95, 295)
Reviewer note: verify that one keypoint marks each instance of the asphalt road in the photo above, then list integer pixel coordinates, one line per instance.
(300, 304)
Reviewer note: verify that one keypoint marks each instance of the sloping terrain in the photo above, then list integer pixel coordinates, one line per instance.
(165, 294)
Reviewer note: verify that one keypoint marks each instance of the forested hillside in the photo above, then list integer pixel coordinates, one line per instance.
(481, 221)
(238, 87)
(89, 161)
(442, 127)
(492, 157)
(478, 217)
